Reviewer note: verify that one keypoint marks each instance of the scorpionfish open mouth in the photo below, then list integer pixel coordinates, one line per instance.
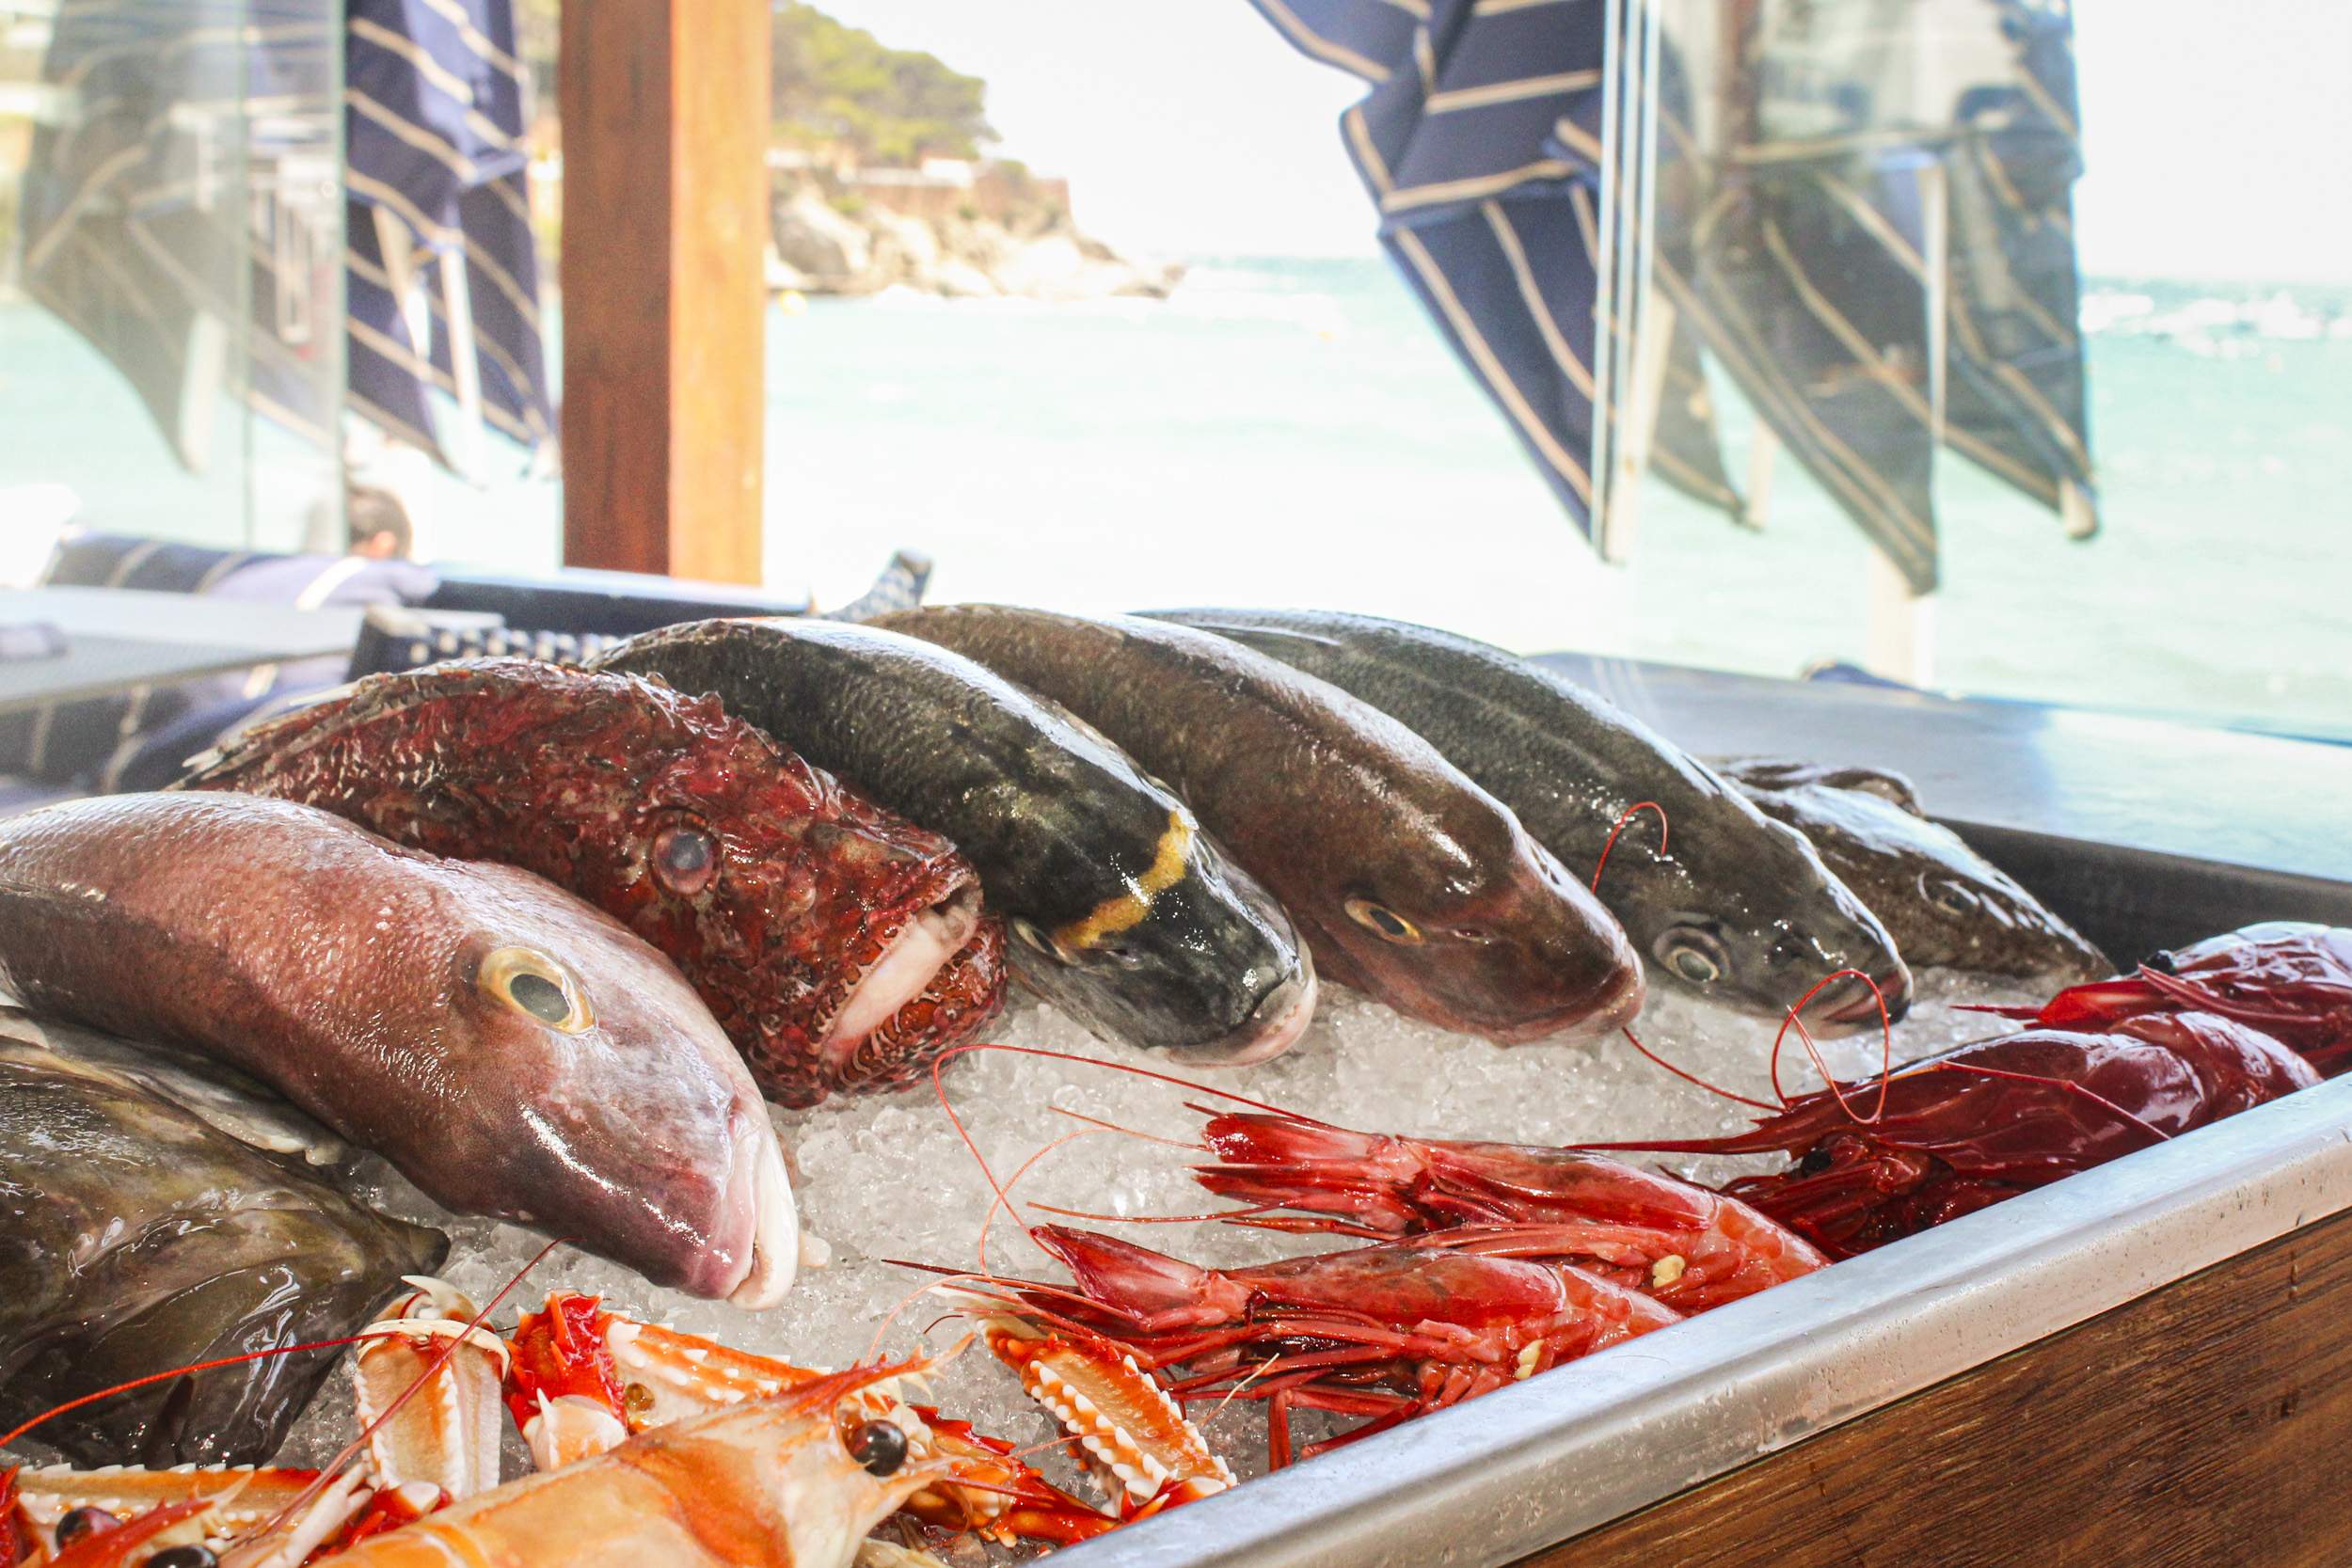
(937, 980)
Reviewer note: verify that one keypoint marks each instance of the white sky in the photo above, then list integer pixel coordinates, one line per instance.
(2218, 132)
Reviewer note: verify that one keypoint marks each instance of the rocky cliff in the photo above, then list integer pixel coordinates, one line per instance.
(828, 243)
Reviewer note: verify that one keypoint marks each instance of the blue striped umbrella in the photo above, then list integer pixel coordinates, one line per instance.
(435, 178)
(1479, 141)
(1804, 244)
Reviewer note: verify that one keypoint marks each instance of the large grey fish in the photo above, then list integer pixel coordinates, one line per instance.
(510, 1050)
(1733, 905)
(1126, 914)
(135, 1238)
(1407, 879)
(1945, 904)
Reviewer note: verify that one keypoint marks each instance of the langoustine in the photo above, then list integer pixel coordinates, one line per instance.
(736, 1460)
(512, 1050)
(840, 947)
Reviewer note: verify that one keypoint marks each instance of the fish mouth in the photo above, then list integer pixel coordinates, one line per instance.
(761, 1185)
(1852, 1005)
(903, 970)
(1271, 1028)
(1617, 1003)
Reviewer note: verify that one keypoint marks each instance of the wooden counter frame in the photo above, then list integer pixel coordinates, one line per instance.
(2199, 1424)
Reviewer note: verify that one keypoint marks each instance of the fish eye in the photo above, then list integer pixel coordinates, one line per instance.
(1946, 896)
(1383, 922)
(879, 1445)
(1038, 942)
(1693, 954)
(1816, 1161)
(534, 984)
(685, 857)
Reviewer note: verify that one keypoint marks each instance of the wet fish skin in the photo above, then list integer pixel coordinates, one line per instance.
(375, 987)
(791, 892)
(135, 1238)
(1946, 905)
(1065, 829)
(1735, 893)
(214, 1093)
(1346, 816)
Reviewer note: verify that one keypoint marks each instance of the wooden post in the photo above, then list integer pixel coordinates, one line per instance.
(665, 112)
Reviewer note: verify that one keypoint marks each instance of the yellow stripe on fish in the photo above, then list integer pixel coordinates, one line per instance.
(1113, 916)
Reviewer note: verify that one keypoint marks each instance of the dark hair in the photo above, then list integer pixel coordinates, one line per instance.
(369, 511)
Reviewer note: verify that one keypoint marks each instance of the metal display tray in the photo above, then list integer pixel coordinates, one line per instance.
(1488, 1481)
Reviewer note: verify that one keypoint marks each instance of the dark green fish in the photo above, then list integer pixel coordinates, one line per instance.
(135, 1237)
(1126, 914)
(1407, 881)
(1733, 905)
(1945, 904)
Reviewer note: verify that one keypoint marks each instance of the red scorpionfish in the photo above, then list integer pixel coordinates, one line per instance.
(842, 949)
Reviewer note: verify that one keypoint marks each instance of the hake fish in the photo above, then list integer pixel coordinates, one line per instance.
(1407, 881)
(514, 1052)
(1737, 907)
(1125, 914)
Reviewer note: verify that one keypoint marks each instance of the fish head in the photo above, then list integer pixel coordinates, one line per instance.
(845, 946)
(1791, 926)
(1482, 930)
(1193, 957)
(592, 1096)
(1946, 905)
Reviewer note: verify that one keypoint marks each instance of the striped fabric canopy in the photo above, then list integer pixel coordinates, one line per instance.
(1480, 144)
(1861, 214)
(443, 289)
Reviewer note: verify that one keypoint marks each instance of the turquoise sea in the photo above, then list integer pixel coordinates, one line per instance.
(1292, 431)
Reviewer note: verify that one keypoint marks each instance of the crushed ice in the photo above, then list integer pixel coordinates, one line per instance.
(888, 1179)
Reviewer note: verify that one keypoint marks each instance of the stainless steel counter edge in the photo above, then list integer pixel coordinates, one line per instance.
(1570, 1451)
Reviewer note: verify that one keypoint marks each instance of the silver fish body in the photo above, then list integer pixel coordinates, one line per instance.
(1946, 905)
(1406, 878)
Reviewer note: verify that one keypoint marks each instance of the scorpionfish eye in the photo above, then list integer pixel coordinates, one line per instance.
(879, 1445)
(685, 857)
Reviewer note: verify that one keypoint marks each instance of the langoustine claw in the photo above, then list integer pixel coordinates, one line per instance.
(586, 1379)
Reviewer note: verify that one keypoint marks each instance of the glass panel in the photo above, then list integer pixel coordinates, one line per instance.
(169, 301)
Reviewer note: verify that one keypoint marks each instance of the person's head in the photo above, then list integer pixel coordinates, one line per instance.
(376, 524)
